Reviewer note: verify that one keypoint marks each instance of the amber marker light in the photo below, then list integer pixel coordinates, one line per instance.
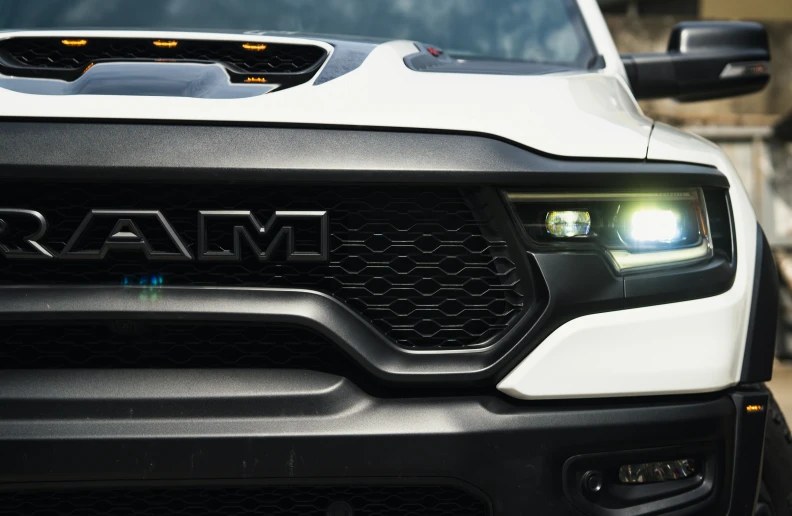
(74, 42)
(256, 79)
(165, 44)
(754, 408)
(256, 47)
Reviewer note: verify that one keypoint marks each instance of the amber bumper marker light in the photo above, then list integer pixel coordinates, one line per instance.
(256, 79)
(74, 42)
(165, 44)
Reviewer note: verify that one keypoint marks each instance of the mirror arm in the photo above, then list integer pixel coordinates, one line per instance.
(652, 76)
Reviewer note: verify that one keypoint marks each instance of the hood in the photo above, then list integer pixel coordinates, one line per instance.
(586, 114)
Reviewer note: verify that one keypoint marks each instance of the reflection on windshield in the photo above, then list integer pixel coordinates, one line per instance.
(528, 30)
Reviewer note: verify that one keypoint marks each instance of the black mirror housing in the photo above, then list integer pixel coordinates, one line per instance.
(705, 61)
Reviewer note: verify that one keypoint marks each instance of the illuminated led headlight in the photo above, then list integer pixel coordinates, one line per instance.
(637, 230)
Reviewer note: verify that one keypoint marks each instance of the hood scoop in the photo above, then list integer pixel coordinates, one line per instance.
(246, 63)
(191, 80)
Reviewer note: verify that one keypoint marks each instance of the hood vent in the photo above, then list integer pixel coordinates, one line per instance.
(246, 62)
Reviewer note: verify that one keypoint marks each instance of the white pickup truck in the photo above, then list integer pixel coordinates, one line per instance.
(376, 257)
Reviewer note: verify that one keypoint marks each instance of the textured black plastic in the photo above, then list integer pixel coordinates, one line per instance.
(763, 324)
(142, 427)
(115, 344)
(269, 500)
(594, 289)
(110, 151)
(749, 449)
(311, 310)
(425, 266)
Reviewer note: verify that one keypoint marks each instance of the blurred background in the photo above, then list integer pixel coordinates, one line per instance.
(756, 130)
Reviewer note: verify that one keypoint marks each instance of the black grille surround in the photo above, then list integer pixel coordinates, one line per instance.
(426, 267)
(51, 58)
(247, 501)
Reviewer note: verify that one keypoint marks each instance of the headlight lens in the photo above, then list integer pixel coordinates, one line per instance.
(568, 224)
(637, 230)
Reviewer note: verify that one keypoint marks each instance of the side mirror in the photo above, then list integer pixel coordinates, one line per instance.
(705, 61)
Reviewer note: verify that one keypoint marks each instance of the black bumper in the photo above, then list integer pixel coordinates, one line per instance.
(86, 431)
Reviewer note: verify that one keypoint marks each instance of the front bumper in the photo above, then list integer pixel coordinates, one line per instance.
(87, 431)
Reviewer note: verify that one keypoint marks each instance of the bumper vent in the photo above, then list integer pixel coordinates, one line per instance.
(141, 344)
(51, 58)
(428, 268)
(247, 501)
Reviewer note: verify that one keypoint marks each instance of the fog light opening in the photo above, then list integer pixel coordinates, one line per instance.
(654, 472)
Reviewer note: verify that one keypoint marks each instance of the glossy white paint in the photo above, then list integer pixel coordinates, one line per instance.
(570, 114)
(694, 346)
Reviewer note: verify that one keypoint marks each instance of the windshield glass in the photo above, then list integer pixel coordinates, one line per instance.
(543, 31)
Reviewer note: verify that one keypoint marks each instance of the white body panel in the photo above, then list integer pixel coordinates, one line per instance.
(580, 114)
(695, 346)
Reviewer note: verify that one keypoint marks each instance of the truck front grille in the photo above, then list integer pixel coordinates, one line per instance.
(428, 268)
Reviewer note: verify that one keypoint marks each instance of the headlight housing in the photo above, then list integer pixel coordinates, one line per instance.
(638, 230)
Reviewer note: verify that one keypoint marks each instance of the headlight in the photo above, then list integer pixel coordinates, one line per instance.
(637, 230)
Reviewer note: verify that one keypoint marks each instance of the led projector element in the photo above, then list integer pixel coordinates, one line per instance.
(568, 224)
(654, 472)
(661, 226)
(637, 230)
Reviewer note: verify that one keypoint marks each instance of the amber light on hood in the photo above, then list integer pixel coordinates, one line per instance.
(256, 47)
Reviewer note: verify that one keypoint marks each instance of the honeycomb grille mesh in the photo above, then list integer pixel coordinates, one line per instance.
(51, 53)
(140, 344)
(246, 501)
(426, 267)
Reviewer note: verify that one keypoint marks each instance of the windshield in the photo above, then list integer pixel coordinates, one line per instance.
(542, 31)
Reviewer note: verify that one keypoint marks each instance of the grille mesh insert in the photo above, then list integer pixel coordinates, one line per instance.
(247, 501)
(425, 267)
(51, 53)
(139, 344)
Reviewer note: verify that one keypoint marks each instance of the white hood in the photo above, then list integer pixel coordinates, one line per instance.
(580, 114)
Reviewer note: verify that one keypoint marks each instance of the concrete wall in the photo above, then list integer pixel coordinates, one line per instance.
(778, 10)
(650, 34)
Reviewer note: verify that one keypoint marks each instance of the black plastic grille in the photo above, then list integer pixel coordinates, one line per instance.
(140, 344)
(247, 501)
(51, 53)
(426, 267)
